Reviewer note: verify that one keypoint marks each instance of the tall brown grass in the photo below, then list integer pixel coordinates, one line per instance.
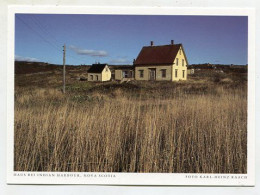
(185, 132)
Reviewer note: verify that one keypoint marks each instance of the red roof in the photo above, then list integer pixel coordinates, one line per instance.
(164, 54)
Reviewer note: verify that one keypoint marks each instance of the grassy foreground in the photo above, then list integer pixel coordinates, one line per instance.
(186, 127)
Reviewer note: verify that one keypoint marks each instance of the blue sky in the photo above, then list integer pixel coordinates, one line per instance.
(117, 39)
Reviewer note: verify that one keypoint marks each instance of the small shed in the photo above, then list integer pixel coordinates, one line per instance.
(99, 72)
(126, 72)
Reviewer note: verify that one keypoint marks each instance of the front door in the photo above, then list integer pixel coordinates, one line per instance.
(152, 74)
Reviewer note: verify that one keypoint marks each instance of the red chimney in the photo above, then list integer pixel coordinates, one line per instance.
(151, 43)
(172, 42)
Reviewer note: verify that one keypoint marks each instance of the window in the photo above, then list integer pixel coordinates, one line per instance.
(91, 77)
(141, 73)
(182, 62)
(97, 77)
(106, 69)
(176, 73)
(125, 74)
(130, 74)
(180, 51)
(163, 73)
(177, 61)
(183, 74)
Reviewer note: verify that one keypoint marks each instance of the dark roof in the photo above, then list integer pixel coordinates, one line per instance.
(163, 54)
(121, 67)
(96, 68)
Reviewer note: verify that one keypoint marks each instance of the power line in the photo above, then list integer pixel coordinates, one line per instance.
(36, 21)
(44, 39)
(44, 30)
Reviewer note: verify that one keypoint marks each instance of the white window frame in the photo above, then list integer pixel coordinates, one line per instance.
(141, 73)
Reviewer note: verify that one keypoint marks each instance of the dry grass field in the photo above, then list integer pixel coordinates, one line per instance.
(197, 126)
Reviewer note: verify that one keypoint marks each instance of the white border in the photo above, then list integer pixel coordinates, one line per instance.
(133, 178)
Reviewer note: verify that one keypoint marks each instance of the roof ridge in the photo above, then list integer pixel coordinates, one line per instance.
(163, 45)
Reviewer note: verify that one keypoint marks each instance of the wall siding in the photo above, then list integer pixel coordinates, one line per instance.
(158, 77)
(179, 67)
(106, 75)
(94, 76)
(118, 75)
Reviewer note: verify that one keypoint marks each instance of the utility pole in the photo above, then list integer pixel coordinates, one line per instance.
(64, 71)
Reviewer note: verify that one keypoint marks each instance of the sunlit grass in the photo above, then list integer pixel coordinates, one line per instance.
(186, 129)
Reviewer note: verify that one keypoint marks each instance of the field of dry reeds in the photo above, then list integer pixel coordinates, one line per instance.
(186, 127)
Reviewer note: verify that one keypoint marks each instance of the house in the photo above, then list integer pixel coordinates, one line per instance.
(161, 63)
(124, 72)
(99, 72)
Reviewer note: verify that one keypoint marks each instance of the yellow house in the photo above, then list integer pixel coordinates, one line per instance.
(161, 63)
(99, 72)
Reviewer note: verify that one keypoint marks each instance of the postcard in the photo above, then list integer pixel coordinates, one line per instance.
(131, 96)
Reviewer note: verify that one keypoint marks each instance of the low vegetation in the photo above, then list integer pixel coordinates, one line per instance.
(197, 126)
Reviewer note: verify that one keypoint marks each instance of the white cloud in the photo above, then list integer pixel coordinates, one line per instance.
(88, 52)
(119, 61)
(28, 59)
